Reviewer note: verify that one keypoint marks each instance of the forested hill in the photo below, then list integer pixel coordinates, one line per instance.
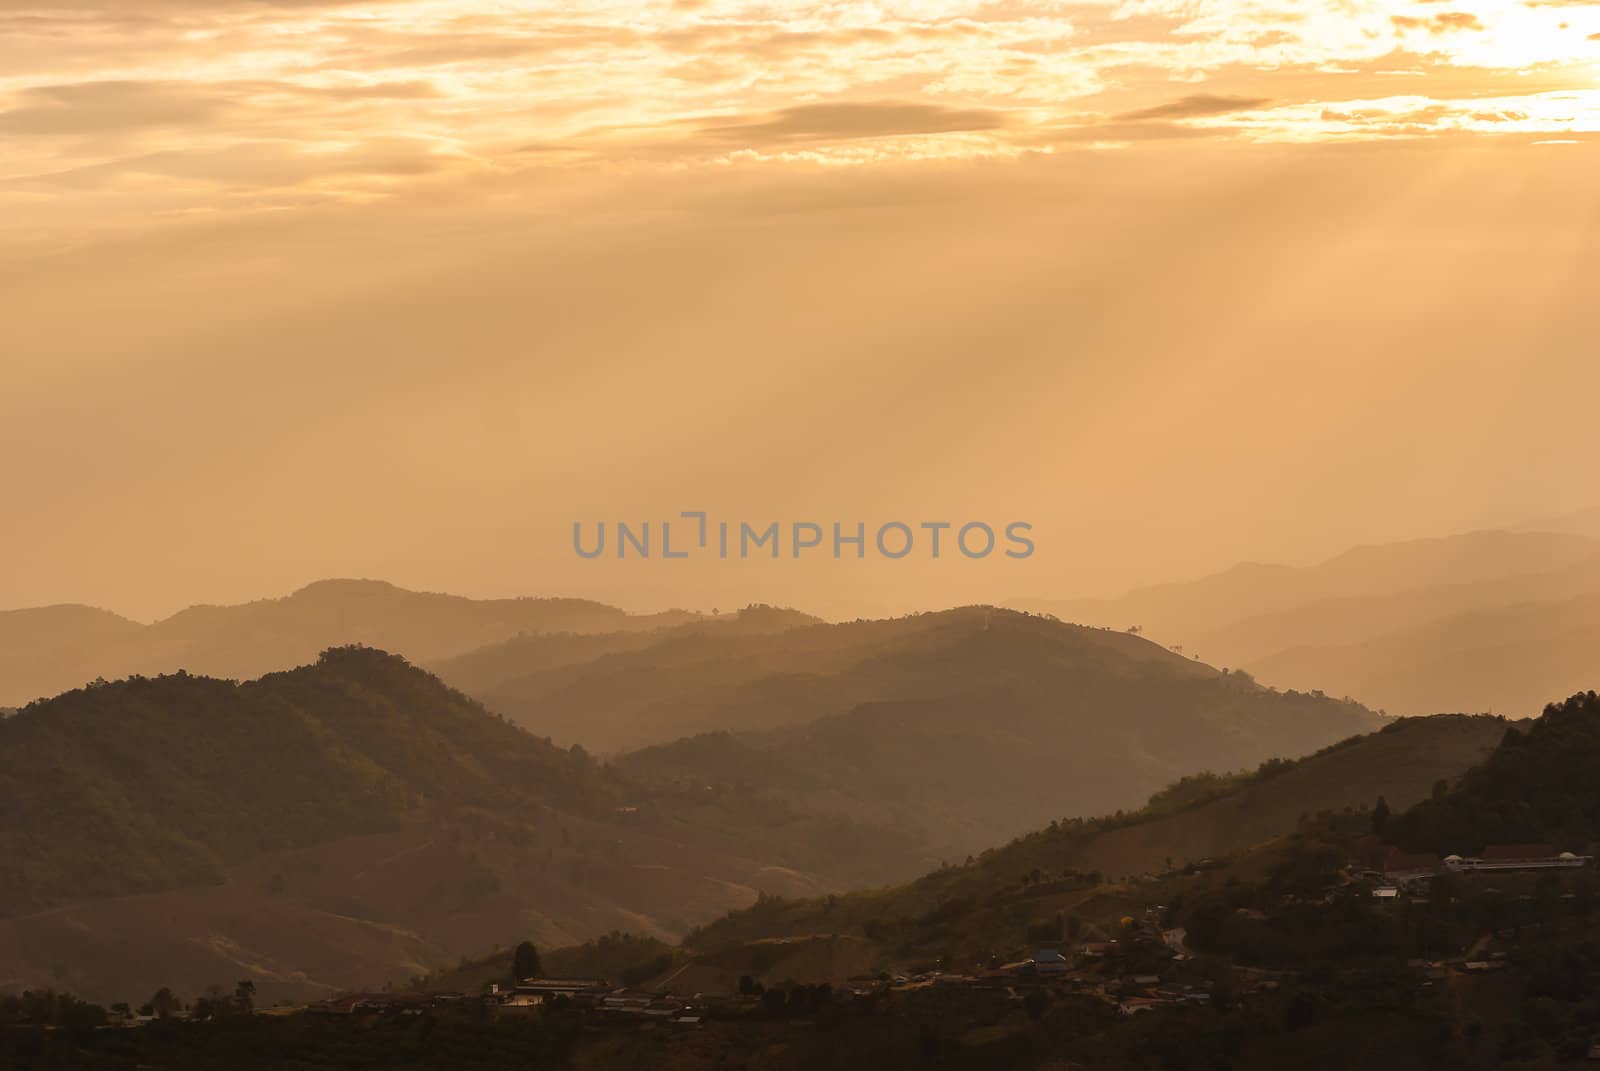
(1541, 785)
(150, 783)
(351, 822)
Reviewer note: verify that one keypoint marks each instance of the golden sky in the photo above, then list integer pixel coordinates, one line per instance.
(191, 106)
(307, 288)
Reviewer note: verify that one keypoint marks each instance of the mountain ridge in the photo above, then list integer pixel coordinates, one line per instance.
(48, 650)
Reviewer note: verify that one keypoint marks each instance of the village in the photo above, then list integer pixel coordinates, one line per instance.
(1145, 968)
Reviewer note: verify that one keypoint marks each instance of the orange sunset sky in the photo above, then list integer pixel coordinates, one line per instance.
(402, 289)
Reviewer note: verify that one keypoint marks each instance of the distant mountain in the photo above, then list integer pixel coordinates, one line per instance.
(348, 822)
(1014, 897)
(1069, 684)
(49, 650)
(498, 669)
(52, 648)
(1253, 641)
(1502, 659)
(1345, 625)
(1189, 612)
(962, 728)
(1579, 522)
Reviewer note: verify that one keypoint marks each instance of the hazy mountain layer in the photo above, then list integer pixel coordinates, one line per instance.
(1503, 659)
(51, 649)
(1412, 628)
(1053, 682)
(967, 727)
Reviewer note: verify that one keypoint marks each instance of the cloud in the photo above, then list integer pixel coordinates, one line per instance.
(93, 84)
(1196, 106)
(1116, 133)
(110, 107)
(254, 166)
(1446, 22)
(875, 119)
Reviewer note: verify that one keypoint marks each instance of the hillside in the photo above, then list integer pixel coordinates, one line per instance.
(347, 822)
(1392, 625)
(1402, 763)
(49, 650)
(991, 903)
(1538, 787)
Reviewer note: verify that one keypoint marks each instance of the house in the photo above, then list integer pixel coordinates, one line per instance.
(1049, 961)
(1504, 857)
(1138, 1005)
(586, 990)
(1382, 859)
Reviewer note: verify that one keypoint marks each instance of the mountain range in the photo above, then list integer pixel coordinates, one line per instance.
(556, 769)
(356, 819)
(1485, 621)
(968, 726)
(51, 649)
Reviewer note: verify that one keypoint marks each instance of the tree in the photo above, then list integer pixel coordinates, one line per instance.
(244, 996)
(214, 1004)
(1380, 815)
(165, 1003)
(525, 962)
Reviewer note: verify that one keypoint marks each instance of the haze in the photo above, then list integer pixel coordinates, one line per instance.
(403, 289)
